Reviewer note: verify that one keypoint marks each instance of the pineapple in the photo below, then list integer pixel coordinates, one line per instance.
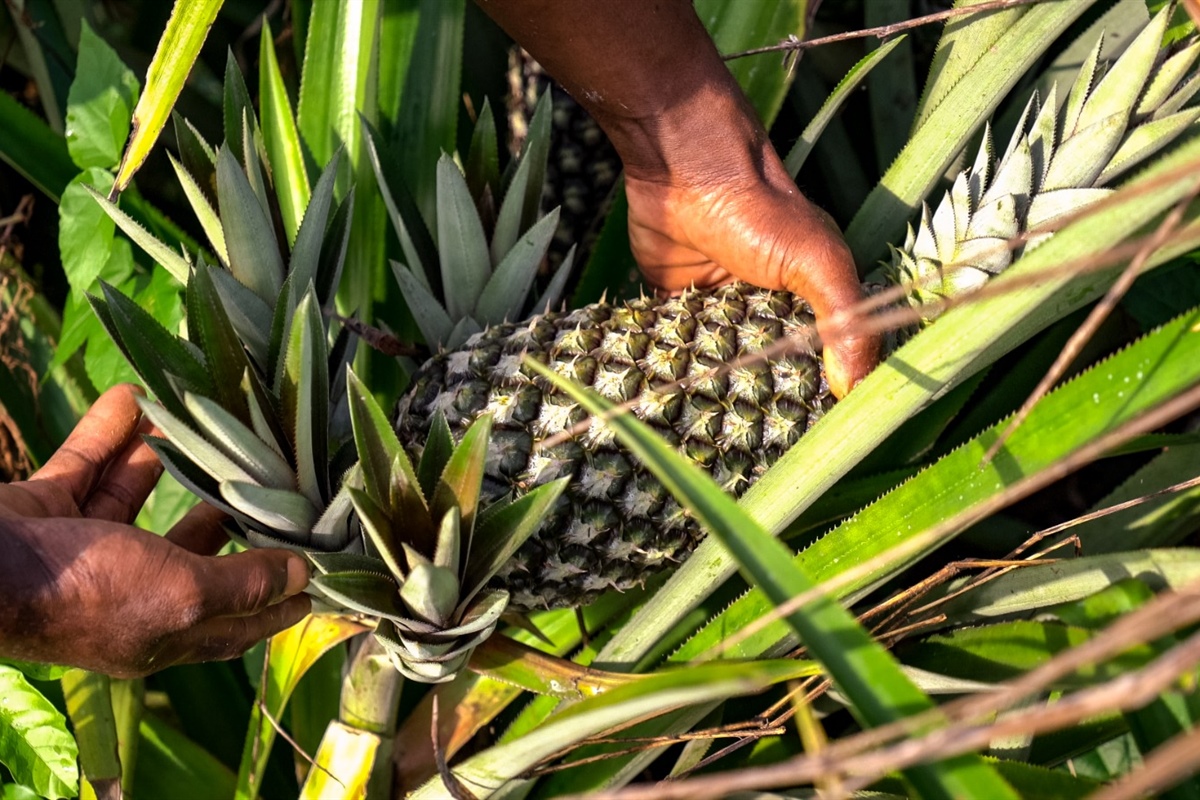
(615, 525)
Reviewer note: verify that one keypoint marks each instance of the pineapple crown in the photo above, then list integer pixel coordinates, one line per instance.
(1056, 163)
(431, 549)
(482, 267)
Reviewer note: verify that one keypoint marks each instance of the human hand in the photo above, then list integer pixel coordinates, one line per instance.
(81, 586)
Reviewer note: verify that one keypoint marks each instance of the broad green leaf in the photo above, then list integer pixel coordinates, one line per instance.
(34, 743)
(503, 299)
(89, 703)
(462, 246)
(38, 672)
(280, 137)
(162, 254)
(173, 58)
(833, 104)
(85, 232)
(36, 152)
(491, 770)
(963, 341)
(944, 133)
(172, 765)
(462, 479)
(209, 327)
(292, 654)
(254, 257)
(861, 668)
(99, 105)
(500, 534)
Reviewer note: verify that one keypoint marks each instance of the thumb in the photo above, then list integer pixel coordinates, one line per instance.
(247, 583)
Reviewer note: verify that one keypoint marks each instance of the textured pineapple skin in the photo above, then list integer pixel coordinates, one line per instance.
(616, 525)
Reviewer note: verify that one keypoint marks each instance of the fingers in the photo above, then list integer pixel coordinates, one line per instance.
(126, 483)
(246, 583)
(97, 439)
(228, 637)
(200, 531)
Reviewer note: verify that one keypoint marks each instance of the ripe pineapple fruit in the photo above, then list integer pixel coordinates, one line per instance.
(615, 524)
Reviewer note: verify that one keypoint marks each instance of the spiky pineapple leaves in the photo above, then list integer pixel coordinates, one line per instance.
(433, 549)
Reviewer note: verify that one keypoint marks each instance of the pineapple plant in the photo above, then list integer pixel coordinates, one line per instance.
(615, 524)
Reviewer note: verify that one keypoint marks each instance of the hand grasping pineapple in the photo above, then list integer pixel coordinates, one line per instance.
(709, 199)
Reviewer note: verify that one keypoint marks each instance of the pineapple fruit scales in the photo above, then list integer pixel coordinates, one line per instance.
(615, 524)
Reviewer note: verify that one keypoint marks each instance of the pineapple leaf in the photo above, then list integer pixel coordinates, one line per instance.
(345, 562)
(463, 330)
(192, 477)
(203, 453)
(240, 443)
(280, 138)
(431, 318)
(483, 158)
(481, 613)
(420, 252)
(281, 320)
(501, 533)
(462, 479)
(370, 593)
(210, 327)
(431, 593)
(448, 548)
(283, 510)
(197, 157)
(554, 289)
(152, 350)
(306, 253)
(248, 314)
(333, 251)
(253, 250)
(332, 531)
(305, 398)
(523, 194)
(439, 445)
(264, 415)
(504, 296)
(378, 527)
(1118, 90)
(252, 160)
(203, 210)
(379, 449)
(236, 105)
(462, 245)
(1166, 78)
(1146, 140)
(171, 261)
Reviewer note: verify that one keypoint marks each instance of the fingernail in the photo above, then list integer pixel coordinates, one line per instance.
(297, 576)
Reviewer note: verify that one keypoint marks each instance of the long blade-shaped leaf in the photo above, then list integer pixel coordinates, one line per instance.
(378, 446)
(305, 396)
(462, 479)
(253, 250)
(879, 691)
(240, 443)
(171, 261)
(462, 246)
(281, 138)
(210, 327)
(504, 296)
(306, 254)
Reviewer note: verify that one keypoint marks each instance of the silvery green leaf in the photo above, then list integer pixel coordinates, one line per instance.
(1080, 159)
(1022, 127)
(240, 443)
(462, 244)
(482, 167)
(333, 252)
(304, 398)
(1014, 176)
(448, 549)
(926, 244)
(171, 261)
(420, 253)
(306, 252)
(253, 164)
(1043, 136)
(332, 530)
(439, 444)
(278, 540)
(236, 104)
(461, 481)
(281, 324)
(345, 562)
(1180, 99)
(253, 249)
(209, 326)
(192, 477)
(263, 418)
(191, 444)
(1050, 206)
(463, 330)
(960, 201)
(282, 509)
(523, 191)
(481, 613)
(981, 170)
(378, 528)
(554, 289)
(943, 227)
(1118, 91)
(499, 535)
(248, 314)
(505, 294)
(989, 254)
(1080, 90)
(431, 593)
(203, 210)
(371, 593)
(431, 318)
(996, 219)
(1166, 78)
(1146, 140)
(379, 449)
(197, 155)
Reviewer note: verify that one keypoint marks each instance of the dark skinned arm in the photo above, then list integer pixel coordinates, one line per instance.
(79, 585)
(709, 199)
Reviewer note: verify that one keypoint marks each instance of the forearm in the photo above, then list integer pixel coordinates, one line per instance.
(645, 69)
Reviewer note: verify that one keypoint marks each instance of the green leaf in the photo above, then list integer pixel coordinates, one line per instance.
(374, 594)
(462, 246)
(462, 479)
(505, 295)
(200, 451)
(255, 456)
(305, 399)
(438, 447)
(482, 168)
(89, 702)
(253, 249)
(162, 254)
(380, 535)
(173, 59)
(172, 765)
(100, 104)
(280, 137)
(209, 327)
(306, 254)
(197, 157)
(204, 211)
(420, 253)
(29, 146)
(38, 672)
(431, 592)
(435, 324)
(861, 668)
(489, 771)
(85, 232)
(250, 317)
(523, 193)
(34, 743)
(378, 447)
(237, 109)
(283, 510)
